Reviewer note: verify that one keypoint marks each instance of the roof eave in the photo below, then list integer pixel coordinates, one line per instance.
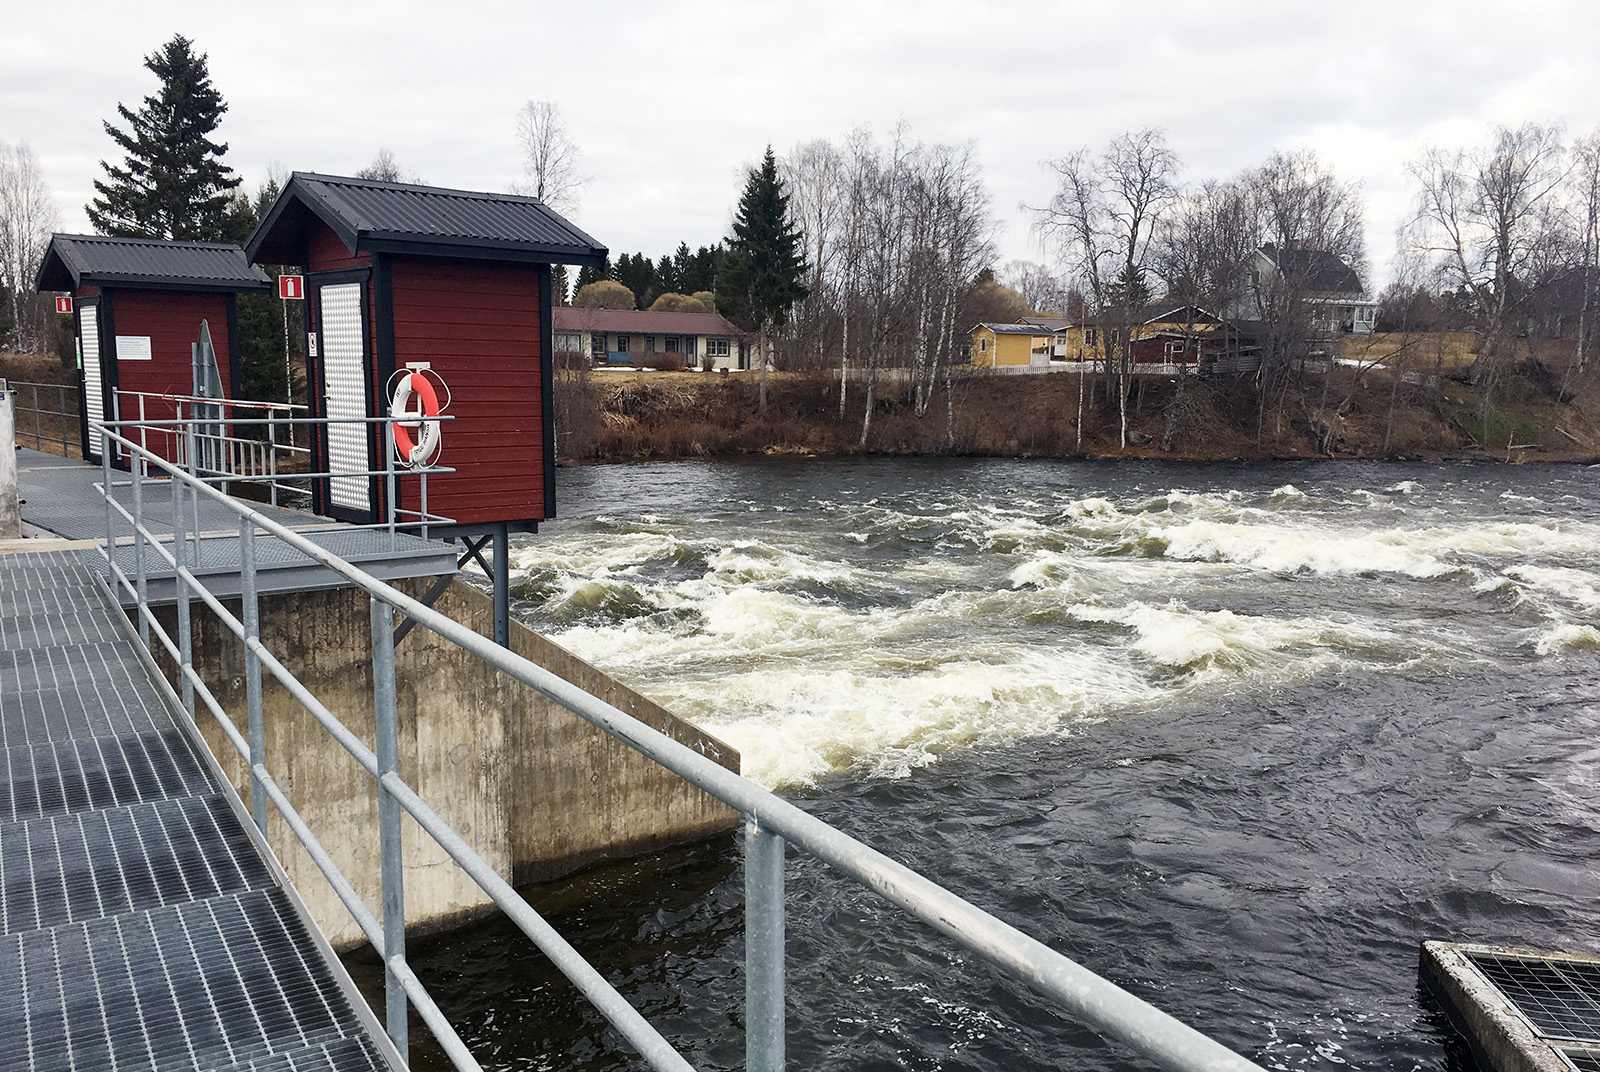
(478, 248)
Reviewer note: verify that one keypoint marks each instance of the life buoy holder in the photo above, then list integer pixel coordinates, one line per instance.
(402, 418)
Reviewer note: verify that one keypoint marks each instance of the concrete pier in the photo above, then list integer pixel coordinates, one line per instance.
(537, 791)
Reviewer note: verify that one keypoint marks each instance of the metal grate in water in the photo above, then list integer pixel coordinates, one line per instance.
(1581, 1060)
(1559, 998)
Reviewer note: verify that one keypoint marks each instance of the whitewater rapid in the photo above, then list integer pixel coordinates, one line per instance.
(875, 617)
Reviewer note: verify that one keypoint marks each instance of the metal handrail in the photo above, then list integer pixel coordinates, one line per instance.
(61, 414)
(770, 824)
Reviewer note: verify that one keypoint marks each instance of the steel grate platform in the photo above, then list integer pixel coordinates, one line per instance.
(140, 927)
(1560, 999)
(1581, 1060)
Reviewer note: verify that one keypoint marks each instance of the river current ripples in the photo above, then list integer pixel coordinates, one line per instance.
(1238, 737)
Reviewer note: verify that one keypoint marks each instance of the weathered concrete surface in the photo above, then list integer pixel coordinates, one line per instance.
(1500, 1039)
(534, 789)
(10, 508)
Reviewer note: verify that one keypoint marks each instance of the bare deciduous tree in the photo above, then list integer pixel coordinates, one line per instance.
(1100, 222)
(385, 167)
(1485, 217)
(550, 157)
(28, 216)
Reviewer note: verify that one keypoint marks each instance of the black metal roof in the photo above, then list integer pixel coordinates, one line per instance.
(396, 217)
(73, 261)
(1321, 270)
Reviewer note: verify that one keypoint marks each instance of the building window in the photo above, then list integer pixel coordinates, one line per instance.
(983, 346)
(716, 347)
(597, 345)
(622, 344)
(1089, 337)
(672, 344)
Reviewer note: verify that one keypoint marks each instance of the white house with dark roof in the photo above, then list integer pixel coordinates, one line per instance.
(1332, 288)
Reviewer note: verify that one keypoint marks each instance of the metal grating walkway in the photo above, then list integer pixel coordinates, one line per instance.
(1560, 998)
(60, 498)
(140, 926)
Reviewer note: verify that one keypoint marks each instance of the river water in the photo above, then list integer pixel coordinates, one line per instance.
(1238, 737)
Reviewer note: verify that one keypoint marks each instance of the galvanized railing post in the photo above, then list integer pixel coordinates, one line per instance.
(189, 446)
(111, 529)
(180, 559)
(250, 607)
(143, 589)
(38, 433)
(389, 812)
(763, 950)
(389, 449)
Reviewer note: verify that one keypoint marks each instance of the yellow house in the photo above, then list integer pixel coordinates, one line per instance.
(995, 345)
(1086, 341)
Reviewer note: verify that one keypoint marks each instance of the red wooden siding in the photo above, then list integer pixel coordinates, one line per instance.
(172, 320)
(477, 323)
(327, 253)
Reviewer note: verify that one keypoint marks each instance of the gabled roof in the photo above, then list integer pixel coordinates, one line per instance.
(1049, 323)
(397, 217)
(1011, 329)
(641, 322)
(1155, 313)
(74, 261)
(1321, 270)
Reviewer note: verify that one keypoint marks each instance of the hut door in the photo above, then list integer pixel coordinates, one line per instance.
(344, 384)
(94, 397)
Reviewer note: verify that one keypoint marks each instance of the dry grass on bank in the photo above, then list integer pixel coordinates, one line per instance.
(1356, 411)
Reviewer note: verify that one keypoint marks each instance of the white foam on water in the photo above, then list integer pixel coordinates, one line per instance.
(1286, 549)
(1566, 637)
(1288, 491)
(1579, 588)
(796, 725)
(1222, 644)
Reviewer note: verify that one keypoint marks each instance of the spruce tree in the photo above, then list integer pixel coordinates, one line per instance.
(758, 279)
(173, 183)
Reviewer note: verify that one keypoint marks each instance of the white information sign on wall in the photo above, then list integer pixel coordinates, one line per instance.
(133, 348)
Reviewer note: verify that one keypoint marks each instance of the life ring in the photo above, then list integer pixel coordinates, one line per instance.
(401, 416)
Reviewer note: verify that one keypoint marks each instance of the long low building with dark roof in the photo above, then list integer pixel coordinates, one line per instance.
(635, 337)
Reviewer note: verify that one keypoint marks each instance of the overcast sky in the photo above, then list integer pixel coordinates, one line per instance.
(670, 102)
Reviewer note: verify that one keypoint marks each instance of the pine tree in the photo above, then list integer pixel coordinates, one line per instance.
(173, 183)
(758, 281)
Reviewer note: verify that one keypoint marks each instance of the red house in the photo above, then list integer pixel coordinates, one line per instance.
(461, 280)
(137, 308)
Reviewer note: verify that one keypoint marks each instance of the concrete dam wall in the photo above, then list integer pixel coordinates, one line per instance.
(535, 790)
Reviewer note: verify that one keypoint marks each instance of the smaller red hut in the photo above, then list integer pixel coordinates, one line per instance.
(137, 308)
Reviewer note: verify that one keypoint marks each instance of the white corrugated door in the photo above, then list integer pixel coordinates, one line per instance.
(344, 367)
(93, 385)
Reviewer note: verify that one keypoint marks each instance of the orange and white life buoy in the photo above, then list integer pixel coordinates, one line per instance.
(402, 418)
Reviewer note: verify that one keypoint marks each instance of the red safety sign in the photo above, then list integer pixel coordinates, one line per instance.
(64, 305)
(291, 286)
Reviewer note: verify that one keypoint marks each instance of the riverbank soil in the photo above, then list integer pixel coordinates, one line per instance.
(1385, 396)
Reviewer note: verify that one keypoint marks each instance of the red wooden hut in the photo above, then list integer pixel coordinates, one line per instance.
(137, 308)
(398, 274)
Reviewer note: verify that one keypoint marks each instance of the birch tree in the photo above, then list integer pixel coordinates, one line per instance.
(550, 158)
(28, 216)
(1100, 222)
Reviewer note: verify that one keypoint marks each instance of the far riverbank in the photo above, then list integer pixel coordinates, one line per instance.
(1349, 412)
